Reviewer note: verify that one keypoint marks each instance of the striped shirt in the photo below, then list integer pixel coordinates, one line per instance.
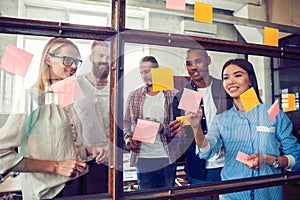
(134, 111)
(250, 133)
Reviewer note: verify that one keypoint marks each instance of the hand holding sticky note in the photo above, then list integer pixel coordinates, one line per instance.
(242, 157)
(184, 120)
(190, 100)
(249, 99)
(146, 131)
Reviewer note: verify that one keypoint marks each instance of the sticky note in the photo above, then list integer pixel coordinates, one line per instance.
(175, 4)
(162, 79)
(190, 100)
(274, 110)
(146, 131)
(203, 12)
(184, 120)
(242, 157)
(288, 102)
(271, 36)
(67, 91)
(16, 60)
(249, 99)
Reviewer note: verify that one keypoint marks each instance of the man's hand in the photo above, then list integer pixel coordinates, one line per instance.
(176, 128)
(132, 145)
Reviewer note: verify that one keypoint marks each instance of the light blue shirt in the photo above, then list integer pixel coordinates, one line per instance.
(250, 133)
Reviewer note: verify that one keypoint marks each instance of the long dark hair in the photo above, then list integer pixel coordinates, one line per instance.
(247, 66)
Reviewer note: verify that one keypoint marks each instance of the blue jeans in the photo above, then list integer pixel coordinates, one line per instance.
(211, 176)
(155, 173)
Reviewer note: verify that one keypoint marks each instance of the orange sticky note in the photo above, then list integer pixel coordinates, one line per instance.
(162, 79)
(184, 120)
(242, 157)
(271, 36)
(190, 100)
(203, 12)
(274, 110)
(249, 99)
(67, 91)
(288, 102)
(146, 131)
(175, 4)
(16, 60)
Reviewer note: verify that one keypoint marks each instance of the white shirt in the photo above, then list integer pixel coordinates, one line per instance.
(93, 111)
(153, 108)
(210, 111)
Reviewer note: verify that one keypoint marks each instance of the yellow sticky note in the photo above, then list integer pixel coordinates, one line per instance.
(249, 99)
(203, 12)
(162, 79)
(288, 102)
(271, 36)
(184, 120)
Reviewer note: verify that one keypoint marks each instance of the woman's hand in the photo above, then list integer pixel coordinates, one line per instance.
(98, 153)
(195, 121)
(259, 159)
(194, 118)
(70, 168)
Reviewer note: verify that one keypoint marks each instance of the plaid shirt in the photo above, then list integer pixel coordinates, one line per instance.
(134, 111)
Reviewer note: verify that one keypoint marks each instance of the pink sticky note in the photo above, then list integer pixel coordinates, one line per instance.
(274, 110)
(242, 157)
(145, 131)
(16, 60)
(175, 4)
(190, 100)
(67, 91)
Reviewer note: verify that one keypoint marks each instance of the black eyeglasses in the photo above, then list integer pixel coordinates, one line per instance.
(67, 61)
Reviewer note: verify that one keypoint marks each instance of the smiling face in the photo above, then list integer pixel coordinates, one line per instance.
(58, 70)
(235, 80)
(100, 60)
(196, 63)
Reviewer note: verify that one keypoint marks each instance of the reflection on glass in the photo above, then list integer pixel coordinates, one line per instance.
(261, 145)
(174, 57)
(57, 134)
(96, 13)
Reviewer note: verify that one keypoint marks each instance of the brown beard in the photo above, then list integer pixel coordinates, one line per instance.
(100, 74)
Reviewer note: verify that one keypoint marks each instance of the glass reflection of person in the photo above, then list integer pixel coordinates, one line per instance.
(270, 145)
(51, 152)
(93, 111)
(155, 163)
(198, 170)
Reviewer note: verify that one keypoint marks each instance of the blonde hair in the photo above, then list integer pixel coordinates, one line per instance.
(53, 46)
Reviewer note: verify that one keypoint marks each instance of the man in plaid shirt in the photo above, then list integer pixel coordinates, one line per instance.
(155, 163)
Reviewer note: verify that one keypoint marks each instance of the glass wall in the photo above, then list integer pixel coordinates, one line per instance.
(150, 29)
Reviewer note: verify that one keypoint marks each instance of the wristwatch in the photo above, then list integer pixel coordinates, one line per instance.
(275, 163)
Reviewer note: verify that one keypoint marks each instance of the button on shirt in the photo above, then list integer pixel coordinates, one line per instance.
(237, 131)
